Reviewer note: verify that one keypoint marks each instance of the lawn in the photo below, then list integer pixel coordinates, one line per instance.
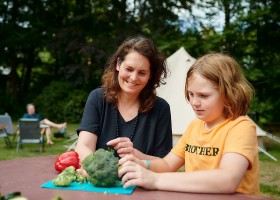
(269, 169)
(30, 150)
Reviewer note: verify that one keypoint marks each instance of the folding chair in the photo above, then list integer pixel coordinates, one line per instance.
(4, 134)
(30, 133)
(6, 128)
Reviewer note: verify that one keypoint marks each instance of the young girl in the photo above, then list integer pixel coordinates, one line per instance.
(219, 149)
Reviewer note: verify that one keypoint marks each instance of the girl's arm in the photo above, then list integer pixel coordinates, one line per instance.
(169, 163)
(225, 179)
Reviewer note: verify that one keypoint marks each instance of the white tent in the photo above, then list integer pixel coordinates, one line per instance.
(174, 90)
(174, 93)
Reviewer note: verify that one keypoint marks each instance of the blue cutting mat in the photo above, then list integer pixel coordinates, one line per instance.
(90, 188)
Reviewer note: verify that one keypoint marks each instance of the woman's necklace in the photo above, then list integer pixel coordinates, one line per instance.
(117, 125)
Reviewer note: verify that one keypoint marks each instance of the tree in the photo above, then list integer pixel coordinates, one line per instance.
(71, 41)
(261, 55)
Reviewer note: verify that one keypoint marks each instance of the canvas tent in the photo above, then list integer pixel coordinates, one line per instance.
(174, 92)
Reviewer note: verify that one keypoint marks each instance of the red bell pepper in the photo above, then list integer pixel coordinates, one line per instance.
(69, 158)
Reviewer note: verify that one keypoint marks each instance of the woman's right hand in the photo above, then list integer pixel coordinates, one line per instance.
(123, 146)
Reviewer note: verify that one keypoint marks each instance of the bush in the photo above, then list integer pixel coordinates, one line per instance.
(60, 102)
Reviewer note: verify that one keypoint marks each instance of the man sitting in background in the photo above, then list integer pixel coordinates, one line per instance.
(31, 114)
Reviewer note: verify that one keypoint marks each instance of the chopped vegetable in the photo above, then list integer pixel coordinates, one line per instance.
(57, 198)
(67, 176)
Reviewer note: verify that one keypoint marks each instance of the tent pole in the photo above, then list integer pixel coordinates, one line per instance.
(266, 153)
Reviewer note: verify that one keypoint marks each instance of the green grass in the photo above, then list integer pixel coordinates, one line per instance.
(270, 190)
(31, 150)
(269, 169)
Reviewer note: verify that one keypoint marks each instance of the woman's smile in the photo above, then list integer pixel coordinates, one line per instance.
(134, 73)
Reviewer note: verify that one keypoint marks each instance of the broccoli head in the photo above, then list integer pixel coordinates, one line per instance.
(102, 168)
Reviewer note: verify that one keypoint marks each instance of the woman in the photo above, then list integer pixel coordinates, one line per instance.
(125, 112)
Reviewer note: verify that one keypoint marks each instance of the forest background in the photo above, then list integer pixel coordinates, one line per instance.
(53, 52)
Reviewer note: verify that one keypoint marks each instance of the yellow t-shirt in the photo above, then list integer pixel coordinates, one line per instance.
(203, 149)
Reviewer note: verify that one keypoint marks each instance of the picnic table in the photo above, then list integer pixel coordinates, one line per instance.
(26, 175)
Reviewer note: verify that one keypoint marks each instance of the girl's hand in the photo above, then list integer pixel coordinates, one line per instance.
(133, 174)
(122, 145)
(131, 158)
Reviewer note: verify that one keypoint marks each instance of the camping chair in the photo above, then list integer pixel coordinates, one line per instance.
(30, 133)
(4, 134)
(6, 128)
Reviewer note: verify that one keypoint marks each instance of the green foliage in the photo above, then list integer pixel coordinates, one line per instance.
(74, 106)
(46, 57)
(59, 101)
(70, 41)
(102, 168)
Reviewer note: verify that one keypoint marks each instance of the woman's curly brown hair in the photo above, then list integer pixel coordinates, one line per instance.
(145, 47)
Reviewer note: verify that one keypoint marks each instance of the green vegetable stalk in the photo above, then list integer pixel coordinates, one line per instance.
(67, 176)
(102, 168)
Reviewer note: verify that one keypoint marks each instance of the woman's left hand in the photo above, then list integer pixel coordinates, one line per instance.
(123, 146)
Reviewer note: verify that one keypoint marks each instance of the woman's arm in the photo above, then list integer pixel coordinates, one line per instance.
(225, 179)
(86, 144)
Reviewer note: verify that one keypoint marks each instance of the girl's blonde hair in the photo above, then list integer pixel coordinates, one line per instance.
(226, 75)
